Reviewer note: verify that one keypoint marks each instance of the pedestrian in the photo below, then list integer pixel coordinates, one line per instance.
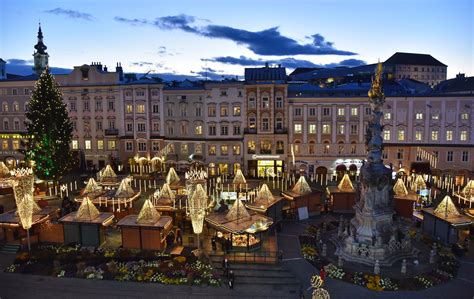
(225, 267)
(213, 244)
(231, 280)
(322, 274)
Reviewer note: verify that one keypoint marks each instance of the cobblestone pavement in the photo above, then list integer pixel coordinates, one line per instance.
(461, 287)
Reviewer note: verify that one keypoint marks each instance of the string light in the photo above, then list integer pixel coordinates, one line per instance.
(172, 176)
(197, 208)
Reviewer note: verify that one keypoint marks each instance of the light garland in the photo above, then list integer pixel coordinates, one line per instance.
(21, 172)
(197, 208)
(23, 191)
(172, 176)
(301, 187)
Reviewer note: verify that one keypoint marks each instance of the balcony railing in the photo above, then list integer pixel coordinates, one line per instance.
(111, 132)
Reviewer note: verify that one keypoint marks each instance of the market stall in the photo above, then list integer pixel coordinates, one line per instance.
(5, 182)
(147, 230)
(267, 204)
(87, 225)
(404, 200)
(342, 196)
(445, 222)
(239, 229)
(466, 195)
(303, 200)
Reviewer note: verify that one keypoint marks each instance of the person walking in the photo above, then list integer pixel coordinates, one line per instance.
(213, 244)
(225, 267)
(231, 279)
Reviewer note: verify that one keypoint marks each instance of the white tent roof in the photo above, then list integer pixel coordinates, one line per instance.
(301, 187)
(237, 211)
(345, 184)
(87, 210)
(446, 208)
(148, 213)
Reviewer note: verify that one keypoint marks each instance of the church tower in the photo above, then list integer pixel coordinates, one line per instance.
(40, 56)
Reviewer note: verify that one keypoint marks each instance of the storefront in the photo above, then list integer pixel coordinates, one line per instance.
(265, 165)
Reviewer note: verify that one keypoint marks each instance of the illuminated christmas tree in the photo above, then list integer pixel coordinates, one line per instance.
(49, 130)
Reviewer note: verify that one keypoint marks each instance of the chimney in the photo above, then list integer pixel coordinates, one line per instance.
(266, 64)
(105, 68)
(279, 65)
(460, 75)
(119, 70)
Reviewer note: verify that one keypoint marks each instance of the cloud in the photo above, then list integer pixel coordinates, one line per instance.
(286, 62)
(141, 63)
(74, 14)
(16, 61)
(215, 76)
(266, 42)
(24, 67)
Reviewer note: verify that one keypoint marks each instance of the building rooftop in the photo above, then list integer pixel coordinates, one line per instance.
(459, 84)
(265, 74)
(414, 59)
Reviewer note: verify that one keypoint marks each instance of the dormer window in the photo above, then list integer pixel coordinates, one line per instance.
(85, 73)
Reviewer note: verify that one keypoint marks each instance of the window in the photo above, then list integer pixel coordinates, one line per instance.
(265, 124)
(400, 153)
(279, 123)
(265, 103)
(434, 135)
(155, 146)
(252, 103)
(14, 91)
(212, 150)
(6, 125)
(170, 129)
(435, 116)
(312, 129)
(236, 150)
(87, 144)
(297, 111)
(296, 147)
(239, 93)
(401, 135)
(198, 130)
(449, 156)
(140, 93)
(100, 145)
(280, 147)
(368, 111)
(156, 126)
(111, 145)
(224, 150)
(140, 108)
(16, 125)
(312, 111)
(298, 128)
(75, 144)
(449, 135)
(74, 125)
(326, 111)
(155, 108)
(86, 106)
(236, 129)
(211, 111)
(170, 111)
(16, 107)
(419, 116)
(224, 130)
(129, 146)
(354, 111)
(464, 116)
(387, 116)
(141, 127)
(279, 102)
(353, 148)
(341, 111)
(326, 147)
(251, 147)
(418, 135)
(5, 107)
(354, 129)
(184, 128)
(98, 105)
(129, 127)
(224, 111)
(340, 129)
(212, 129)
(98, 125)
(111, 106)
(183, 110)
(340, 148)
(465, 156)
(27, 91)
(142, 146)
(463, 135)
(223, 93)
(128, 93)
(198, 111)
(386, 134)
(311, 148)
(154, 93)
(128, 108)
(385, 155)
(326, 129)
(265, 147)
(184, 149)
(252, 122)
(236, 111)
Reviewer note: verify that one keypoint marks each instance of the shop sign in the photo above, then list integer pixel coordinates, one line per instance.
(265, 157)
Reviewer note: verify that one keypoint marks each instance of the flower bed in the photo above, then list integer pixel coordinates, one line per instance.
(114, 264)
(446, 268)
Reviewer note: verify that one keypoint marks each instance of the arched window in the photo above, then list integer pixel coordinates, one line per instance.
(326, 147)
(279, 122)
(16, 107)
(280, 147)
(252, 121)
(340, 148)
(5, 107)
(312, 147)
(296, 147)
(353, 148)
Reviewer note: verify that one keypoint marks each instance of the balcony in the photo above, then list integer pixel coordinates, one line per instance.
(281, 131)
(111, 132)
(250, 131)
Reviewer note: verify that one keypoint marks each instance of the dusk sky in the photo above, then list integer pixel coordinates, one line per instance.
(185, 37)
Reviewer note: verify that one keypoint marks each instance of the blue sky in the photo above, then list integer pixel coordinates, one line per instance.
(222, 37)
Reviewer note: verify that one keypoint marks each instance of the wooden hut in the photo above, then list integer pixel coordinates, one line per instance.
(342, 196)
